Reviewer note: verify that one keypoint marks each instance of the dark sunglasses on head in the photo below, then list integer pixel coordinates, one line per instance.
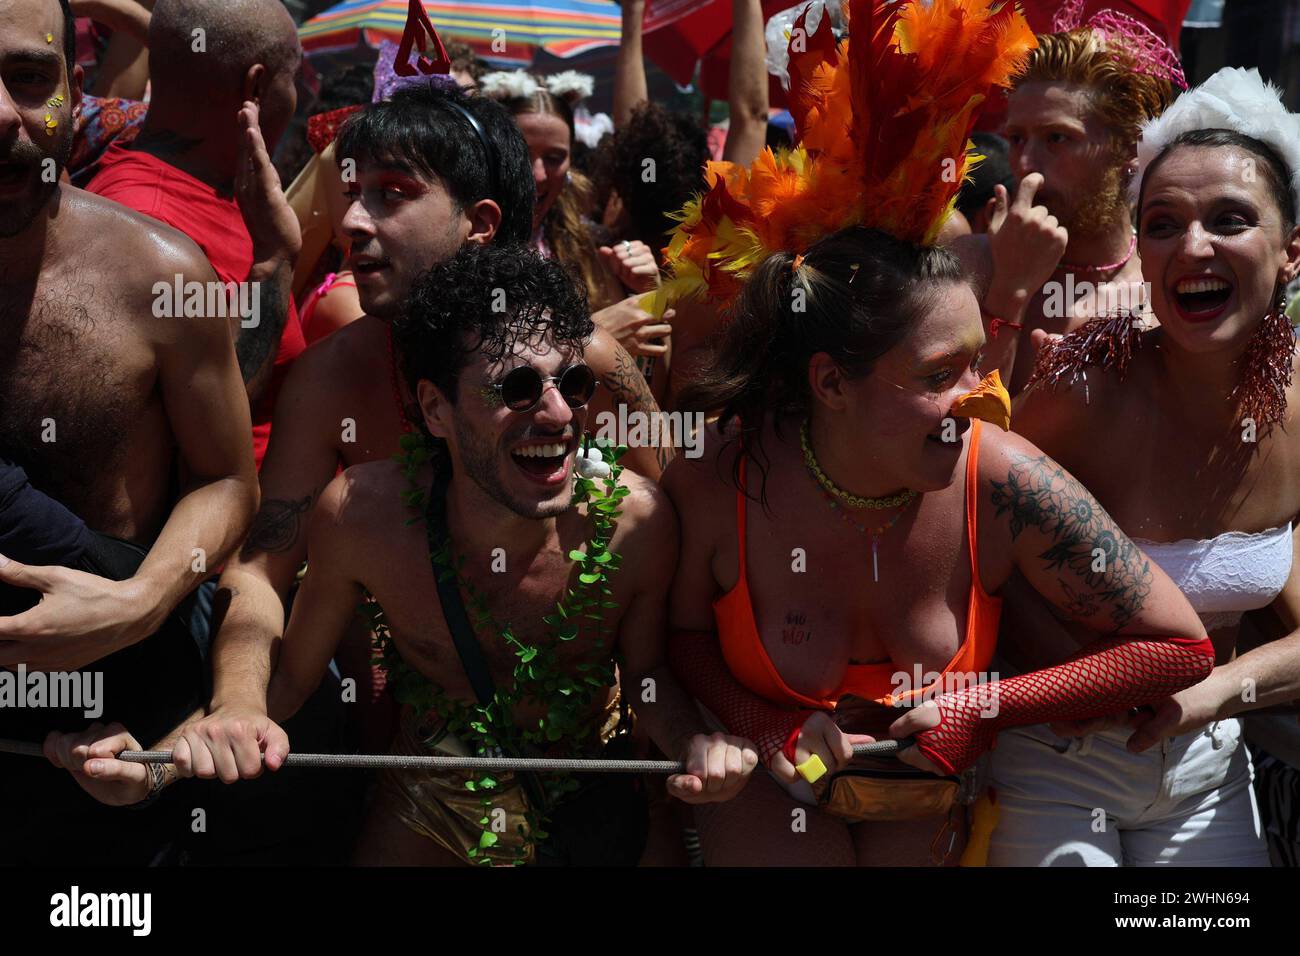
(522, 387)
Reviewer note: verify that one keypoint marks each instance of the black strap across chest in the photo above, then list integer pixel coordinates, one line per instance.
(453, 607)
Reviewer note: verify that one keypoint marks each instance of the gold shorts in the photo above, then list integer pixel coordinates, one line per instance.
(436, 805)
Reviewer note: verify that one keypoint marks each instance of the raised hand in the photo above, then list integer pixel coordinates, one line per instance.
(271, 222)
(635, 328)
(1027, 243)
(633, 264)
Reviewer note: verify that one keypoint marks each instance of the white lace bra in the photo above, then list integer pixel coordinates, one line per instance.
(1225, 576)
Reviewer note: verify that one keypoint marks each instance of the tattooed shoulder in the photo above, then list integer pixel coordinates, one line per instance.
(1107, 572)
(628, 386)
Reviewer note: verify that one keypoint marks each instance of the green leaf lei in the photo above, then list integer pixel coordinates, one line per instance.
(539, 677)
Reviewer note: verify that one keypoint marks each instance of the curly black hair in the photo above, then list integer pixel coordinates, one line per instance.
(485, 299)
(678, 148)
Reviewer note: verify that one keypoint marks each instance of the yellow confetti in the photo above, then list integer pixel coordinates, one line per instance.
(49, 38)
(55, 101)
(51, 124)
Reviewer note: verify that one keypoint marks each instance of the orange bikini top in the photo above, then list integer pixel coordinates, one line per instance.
(743, 648)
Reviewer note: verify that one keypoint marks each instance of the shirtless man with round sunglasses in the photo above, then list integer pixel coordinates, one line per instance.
(483, 380)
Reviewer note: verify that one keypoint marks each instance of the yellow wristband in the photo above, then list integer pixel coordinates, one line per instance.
(812, 769)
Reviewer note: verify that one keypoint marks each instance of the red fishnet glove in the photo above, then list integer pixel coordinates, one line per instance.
(696, 660)
(1106, 677)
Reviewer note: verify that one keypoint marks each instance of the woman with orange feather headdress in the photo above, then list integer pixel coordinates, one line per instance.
(846, 381)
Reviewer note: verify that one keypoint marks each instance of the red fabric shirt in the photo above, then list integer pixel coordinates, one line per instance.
(154, 187)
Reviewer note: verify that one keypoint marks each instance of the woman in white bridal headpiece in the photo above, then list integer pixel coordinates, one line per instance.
(1183, 431)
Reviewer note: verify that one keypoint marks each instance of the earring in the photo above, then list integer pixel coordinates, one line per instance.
(1261, 390)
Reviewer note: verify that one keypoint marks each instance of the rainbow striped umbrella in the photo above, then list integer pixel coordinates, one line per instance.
(503, 32)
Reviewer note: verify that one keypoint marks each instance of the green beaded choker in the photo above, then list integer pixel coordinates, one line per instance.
(893, 501)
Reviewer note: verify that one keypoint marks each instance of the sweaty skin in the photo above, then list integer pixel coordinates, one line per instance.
(359, 538)
(340, 406)
(139, 424)
(1200, 218)
(916, 614)
(126, 397)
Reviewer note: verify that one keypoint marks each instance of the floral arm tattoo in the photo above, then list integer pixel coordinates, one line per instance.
(1108, 572)
(1101, 574)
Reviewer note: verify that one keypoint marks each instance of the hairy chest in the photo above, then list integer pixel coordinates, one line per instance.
(73, 383)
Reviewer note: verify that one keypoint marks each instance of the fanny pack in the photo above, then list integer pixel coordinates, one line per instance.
(885, 788)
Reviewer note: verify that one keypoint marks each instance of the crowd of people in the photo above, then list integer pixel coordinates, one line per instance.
(423, 413)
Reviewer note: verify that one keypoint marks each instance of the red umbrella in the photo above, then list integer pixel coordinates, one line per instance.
(679, 34)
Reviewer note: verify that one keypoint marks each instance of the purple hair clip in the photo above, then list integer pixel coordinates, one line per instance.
(1150, 54)
(388, 82)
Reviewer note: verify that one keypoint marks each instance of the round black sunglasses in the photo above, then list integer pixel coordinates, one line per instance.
(522, 388)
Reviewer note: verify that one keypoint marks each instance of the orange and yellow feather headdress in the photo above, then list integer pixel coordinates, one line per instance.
(881, 125)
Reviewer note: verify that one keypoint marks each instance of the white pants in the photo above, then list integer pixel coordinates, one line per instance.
(1089, 802)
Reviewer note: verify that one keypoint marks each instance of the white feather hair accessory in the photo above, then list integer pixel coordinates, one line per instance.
(570, 85)
(1235, 99)
(508, 85)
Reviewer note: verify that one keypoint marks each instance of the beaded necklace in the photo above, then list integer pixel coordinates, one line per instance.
(837, 497)
(1081, 267)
